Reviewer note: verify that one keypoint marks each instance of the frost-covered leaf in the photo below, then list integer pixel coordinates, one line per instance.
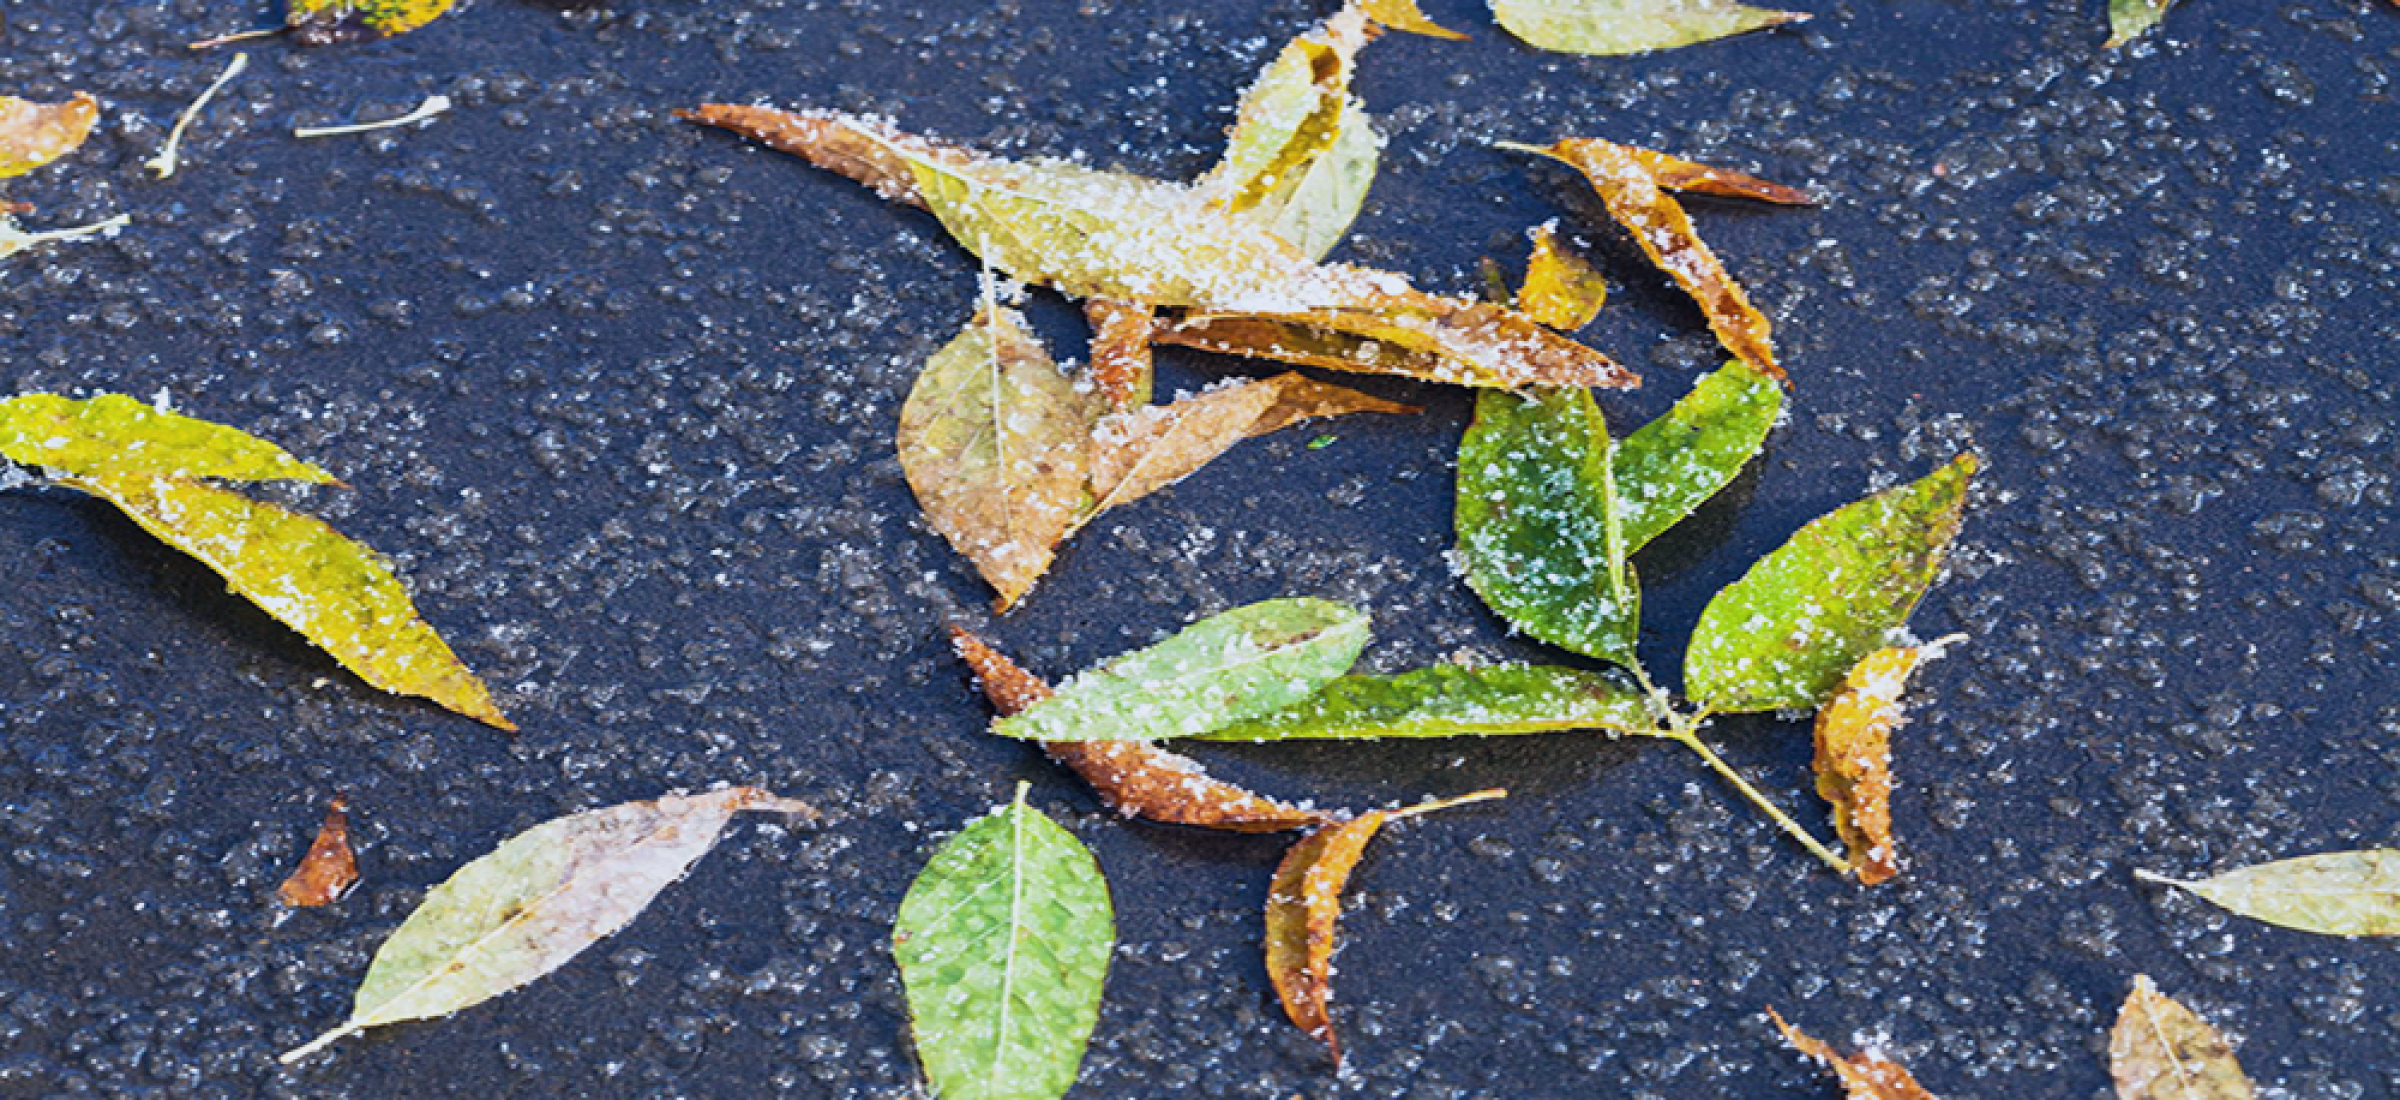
(324, 22)
(1659, 225)
(1854, 755)
(1246, 662)
(1140, 452)
(1677, 174)
(1003, 942)
(1787, 632)
(1451, 700)
(2336, 893)
(2161, 1050)
(1609, 27)
(15, 239)
(329, 869)
(1304, 906)
(1538, 536)
(2130, 19)
(113, 434)
(337, 593)
(536, 901)
(1121, 335)
(994, 440)
(1868, 1076)
(1404, 15)
(1673, 464)
(1135, 778)
(1561, 290)
(1302, 153)
(1421, 336)
(34, 134)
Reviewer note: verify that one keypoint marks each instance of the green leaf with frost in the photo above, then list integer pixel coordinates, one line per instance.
(114, 434)
(2335, 893)
(1610, 27)
(1302, 153)
(1453, 700)
(536, 901)
(1003, 943)
(2130, 19)
(1785, 634)
(1675, 463)
(1247, 662)
(1538, 536)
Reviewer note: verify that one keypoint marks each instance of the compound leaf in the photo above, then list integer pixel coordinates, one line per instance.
(2336, 893)
(1451, 700)
(1610, 27)
(1538, 536)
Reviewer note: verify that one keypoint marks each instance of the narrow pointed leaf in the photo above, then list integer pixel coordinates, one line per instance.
(1444, 340)
(993, 438)
(1003, 943)
(2130, 19)
(1302, 153)
(1854, 755)
(1677, 174)
(325, 22)
(1404, 15)
(2335, 893)
(1610, 27)
(1304, 908)
(536, 901)
(1674, 464)
(1243, 663)
(329, 869)
(34, 134)
(1538, 537)
(332, 590)
(1452, 700)
(1787, 632)
(113, 434)
(1135, 778)
(1145, 450)
(1868, 1076)
(1121, 335)
(1561, 290)
(2161, 1050)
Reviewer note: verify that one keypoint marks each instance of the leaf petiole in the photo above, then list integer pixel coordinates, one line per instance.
(1687, 732)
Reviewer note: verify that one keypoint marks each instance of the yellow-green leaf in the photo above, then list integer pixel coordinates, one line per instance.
(2130, 19)
(34, 134)
(1561, 289)
(114, 434)
(536, 901)
(1673, 464)
(337, 593)
(1538, 533)
(2160, 1050)
(1451, 701)
(1302, 153)
(1608, 27)
(2336, 893)
(324, 22)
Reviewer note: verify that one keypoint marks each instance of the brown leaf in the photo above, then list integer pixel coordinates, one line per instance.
(1869, 1076)
(827, 140)
(1561, 290)
(1410, 333)
(1677, 174)
(1304, 906)
(1136, 778)
(34, 134)
(1121, 350)
(1665, 234)
(1140, 452)
(328, 871)
(2161, 1050)
(1854, 754)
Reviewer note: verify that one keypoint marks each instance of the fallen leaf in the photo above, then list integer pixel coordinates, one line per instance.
(1675, 463)
(1677, 174)
(114, 434)
(1252, 660)
(329, 869)
(1611, 27)
(1446, 340)
(2160, 1050)
(1869, 1076)
(1854, 755)
(536, 901)
(1561, 290)
(1135, 778)
(1538, 533)
(1302, 153)
(14, 239)
(1404, 15)
(2130, 19)
(1139, 452)
(2336, 893)
(1121, 335)
(1454, 700)
(325, 22)
(1304, 907)
(1786, 634)
(1665, 233)
(1003, 942)
(34, 134)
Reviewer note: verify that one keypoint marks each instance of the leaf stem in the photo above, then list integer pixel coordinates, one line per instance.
(1687, 732)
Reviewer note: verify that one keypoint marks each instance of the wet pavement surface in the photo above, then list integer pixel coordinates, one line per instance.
(618, 394)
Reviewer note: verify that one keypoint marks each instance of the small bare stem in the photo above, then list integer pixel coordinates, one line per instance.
(1688, 733)
(165, 163)
(433, 106)
(237, 36)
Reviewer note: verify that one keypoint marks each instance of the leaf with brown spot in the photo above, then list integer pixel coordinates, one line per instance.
(1404, 15)
(2161, 1050)
(34, 134)
(1121, 350)
(1869, 1076)
(1561, 290)
(1135, 778)
(1140, 452)
(1304, 907)
(329, 869)
(1854, 754)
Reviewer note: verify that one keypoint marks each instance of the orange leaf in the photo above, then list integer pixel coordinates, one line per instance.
(1854, 755)
(1869, 1076)
(1678, 174)
(1121, 350)
(1561, 290)
(1136, 778)
(1412, 333)
(829, 141)
(1304, 906)
(1145, 450)
(328, 871)
(34, 134)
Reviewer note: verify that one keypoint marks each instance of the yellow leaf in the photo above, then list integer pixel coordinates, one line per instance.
(1611, 27)
(1854, 754)
(1404, 15)
(325, 22)
(2160, 1050)
(34, 134)
(1561, 290)
(1302, 153)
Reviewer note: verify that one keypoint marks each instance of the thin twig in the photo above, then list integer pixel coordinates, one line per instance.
(433, 105)
(166, 162)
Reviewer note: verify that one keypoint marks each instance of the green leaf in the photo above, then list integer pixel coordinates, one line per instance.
(2336, 893)
(1246, 662)
(323, 22)
(1537, 533)
(2130, 19)
(1302, 154)
(1451, 700)
(535, 902)
(112, 434)
(1609, 27)
(1676, 462)
(1003, 942)
(310, 577)
(1789, 630)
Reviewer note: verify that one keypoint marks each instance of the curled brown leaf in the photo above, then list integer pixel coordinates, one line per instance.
(1854, 755)
(1868, 1076)
(1121, 350)
(329, 869)
(1677, 174)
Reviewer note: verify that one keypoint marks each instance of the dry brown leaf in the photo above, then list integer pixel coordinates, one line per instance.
(1677, 174)
(1561, 290)
(1140, 452)
(2161, 1050)
(1121, 350)
(1136, 778)
(329, 869)
(1304, 908)
(1854, 754)
(1410, 333)
(1869, 1076)
(827, 141)
(34, 134)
